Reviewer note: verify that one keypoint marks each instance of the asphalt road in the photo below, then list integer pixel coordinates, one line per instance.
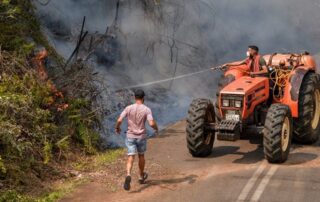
(236, 171)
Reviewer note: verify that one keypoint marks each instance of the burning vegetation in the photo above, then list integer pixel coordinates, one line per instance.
(54, 107)
(47, 122)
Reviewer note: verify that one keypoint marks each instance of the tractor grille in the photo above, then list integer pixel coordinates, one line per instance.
(232, 106)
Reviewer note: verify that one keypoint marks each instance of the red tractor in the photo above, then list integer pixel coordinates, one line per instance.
(282, 105)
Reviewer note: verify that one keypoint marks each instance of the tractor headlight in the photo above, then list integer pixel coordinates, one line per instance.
(233, 101)
(225, 103)
(238, 103)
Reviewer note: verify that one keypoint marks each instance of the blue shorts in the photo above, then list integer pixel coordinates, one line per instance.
(135, 145)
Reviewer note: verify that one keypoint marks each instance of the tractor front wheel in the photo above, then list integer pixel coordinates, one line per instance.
(278, 132)
(199, 138)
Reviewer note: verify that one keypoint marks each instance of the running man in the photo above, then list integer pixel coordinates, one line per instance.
(137, 115)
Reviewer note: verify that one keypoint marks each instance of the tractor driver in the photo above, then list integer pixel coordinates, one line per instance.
(255, 62)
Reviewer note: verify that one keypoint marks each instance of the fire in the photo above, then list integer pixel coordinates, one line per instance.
(39, 62)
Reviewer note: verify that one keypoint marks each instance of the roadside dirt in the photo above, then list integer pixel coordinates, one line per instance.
(174, 175)
(107, 184)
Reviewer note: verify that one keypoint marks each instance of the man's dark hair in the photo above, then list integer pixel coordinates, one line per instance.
(139, 94)
(253, 47)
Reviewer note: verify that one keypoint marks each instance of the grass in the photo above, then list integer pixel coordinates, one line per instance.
(98, 160)
(92, 163)
(59, 192)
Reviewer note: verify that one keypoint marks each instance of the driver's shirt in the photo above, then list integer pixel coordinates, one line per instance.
(255, 64)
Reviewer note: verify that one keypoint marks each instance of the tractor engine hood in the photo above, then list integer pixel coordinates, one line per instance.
(245, 86)
(253, 91)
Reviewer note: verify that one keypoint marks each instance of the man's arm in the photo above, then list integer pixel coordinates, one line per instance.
(119, 120)
(153, 124)
(263, 71)
(118, 124)
(235, 63)
(151, 121)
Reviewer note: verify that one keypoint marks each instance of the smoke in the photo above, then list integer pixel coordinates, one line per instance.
(151, 40)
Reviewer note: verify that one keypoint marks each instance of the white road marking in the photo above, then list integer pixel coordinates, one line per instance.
(263, 184)
(245, 191)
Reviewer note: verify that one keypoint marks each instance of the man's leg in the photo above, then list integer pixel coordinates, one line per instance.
(130, 164)
(142, 163)
(132, 150)
(142, 147)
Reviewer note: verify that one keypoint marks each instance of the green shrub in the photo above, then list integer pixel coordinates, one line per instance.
(27, 125)
(2, 167)
(20, 30)
(34, 135)
(14, 196)
(82, 121)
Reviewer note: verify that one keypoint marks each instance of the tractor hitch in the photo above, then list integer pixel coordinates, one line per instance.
(226, 130)
(229, 130)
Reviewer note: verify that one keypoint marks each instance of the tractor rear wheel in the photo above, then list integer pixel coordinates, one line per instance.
(278, 132)
(307, 125)
(199, 138)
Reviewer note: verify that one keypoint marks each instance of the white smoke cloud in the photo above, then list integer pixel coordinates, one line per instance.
(157, 41)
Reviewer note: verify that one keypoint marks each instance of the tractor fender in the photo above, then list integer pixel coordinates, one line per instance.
(292, 91)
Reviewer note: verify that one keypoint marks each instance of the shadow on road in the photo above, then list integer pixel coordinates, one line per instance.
(300, 158)
(249, 157)
(296, 144)
(164, 183)
(169, 133)
(223, 150)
